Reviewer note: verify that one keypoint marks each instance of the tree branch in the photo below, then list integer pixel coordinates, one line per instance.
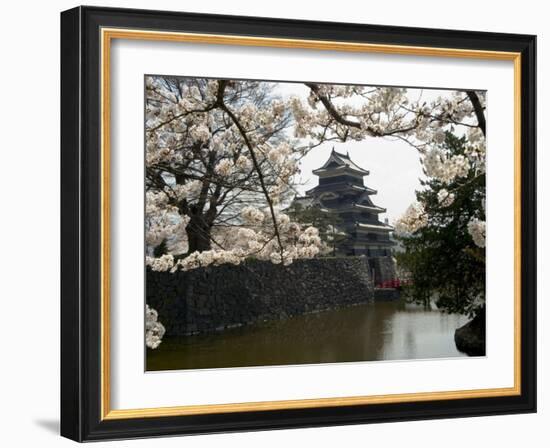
(478, 109)
(256, 165)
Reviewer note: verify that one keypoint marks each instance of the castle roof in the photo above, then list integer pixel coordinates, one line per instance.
(371, 208)
(366, 226)
(341, 187)
(340, 162)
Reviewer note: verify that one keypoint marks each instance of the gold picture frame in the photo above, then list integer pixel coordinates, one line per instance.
(118, 26)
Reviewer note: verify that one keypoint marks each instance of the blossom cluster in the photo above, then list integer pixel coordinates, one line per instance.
(446, 169)
(154, 330)
(476, 149)
(367, 111)
(210, 258)
(252, 215)
(445, 197)
(188, 191)
(476, 229)
(224, 168)
(357, 112)
(412, 220)
(163, 222)
(256, 240)
(160, 264)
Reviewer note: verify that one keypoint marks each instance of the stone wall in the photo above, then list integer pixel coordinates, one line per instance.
(215, 298)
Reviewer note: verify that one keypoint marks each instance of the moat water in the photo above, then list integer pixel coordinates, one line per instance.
(371, 332)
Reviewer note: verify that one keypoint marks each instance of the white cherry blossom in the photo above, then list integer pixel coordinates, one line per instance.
(412, 220)
(476, 229)
(154, 330)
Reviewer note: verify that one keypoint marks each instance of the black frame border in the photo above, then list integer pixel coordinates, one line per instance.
(81, 223)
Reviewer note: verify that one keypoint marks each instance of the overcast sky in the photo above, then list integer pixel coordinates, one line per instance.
(394, 171)
(394, 165)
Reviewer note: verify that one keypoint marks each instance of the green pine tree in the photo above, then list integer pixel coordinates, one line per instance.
(444, 263)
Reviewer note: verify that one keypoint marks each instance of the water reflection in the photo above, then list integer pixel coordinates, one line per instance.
(377, 331)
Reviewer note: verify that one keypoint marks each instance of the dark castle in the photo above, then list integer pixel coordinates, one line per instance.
(341, 191)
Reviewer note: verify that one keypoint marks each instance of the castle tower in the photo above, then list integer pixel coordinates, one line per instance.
(341, 190)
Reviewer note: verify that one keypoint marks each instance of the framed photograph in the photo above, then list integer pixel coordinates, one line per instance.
(272, 223)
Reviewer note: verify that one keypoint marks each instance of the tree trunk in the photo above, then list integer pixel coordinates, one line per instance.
(198, 234)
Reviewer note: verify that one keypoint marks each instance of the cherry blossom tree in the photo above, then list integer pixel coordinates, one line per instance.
(219, 163)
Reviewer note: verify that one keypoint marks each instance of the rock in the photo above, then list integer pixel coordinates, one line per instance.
(470, 338)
